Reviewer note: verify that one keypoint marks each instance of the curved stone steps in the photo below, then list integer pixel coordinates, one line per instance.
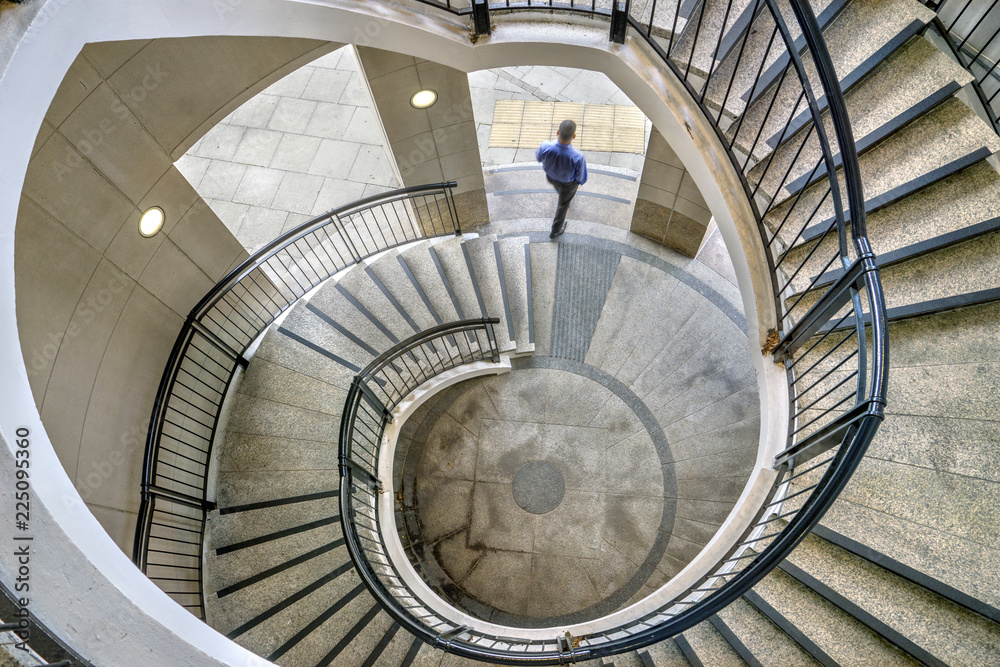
(705, 18)
(924, 78)
(881, 507)
(513, 254)
(280, 578)
(830, 630)
(754, 49)
(949, 138)
(454, 267)
(704, 645)
(932, 214)
(958, 207)
(929, 627)
(757, 639)
(322, 342)
(938, 441)
(425, 274)
(869, 28)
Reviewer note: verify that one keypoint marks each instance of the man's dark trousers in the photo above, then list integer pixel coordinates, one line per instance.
(566, 192)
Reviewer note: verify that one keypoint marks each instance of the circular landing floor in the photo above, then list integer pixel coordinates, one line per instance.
(539, 492)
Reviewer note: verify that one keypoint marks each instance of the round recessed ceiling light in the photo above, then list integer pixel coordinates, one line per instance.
(423, 99)
(151, 221)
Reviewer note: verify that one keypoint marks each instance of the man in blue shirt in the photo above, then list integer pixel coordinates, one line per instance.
(566, 170)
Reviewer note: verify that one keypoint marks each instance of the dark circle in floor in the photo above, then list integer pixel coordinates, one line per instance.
(538, 487)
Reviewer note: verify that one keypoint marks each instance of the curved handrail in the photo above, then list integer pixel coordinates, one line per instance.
(209, 350)
(825, 285)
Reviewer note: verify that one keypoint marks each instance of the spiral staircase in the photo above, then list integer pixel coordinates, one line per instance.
(899, 570)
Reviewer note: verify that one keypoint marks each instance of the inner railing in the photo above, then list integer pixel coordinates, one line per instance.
(210, 349)
(374, 394)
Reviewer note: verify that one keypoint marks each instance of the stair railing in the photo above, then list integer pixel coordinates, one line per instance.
(374, 394)
(210, 348)
(754, 76)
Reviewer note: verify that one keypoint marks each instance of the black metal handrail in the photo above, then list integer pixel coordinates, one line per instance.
(971, 29)
(210, 348)
(754, 77)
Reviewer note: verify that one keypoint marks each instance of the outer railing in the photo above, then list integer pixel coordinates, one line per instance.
(971, 29)
(755, 75)
(170, 530)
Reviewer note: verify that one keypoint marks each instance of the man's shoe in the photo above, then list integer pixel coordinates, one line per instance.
(553, 235)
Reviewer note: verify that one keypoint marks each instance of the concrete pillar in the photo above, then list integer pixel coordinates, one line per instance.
(428, 145)
(669, 207)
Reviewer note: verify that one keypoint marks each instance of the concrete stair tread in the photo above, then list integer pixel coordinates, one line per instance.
(366, 641)
(849, 81)
(906, 86)
(513, 262)
(602, 179)
(328, 339)
(611, 210)
(927, 150)
(709, 20)
(482, 256)
(424, 271)
(948, 273)
(759, 637)
(956, 562)
(334, 302)
(959, 207)
(393, 277)
(267, 632)
(833, 631)
(629, 659)
(667, 18)
(858, 33)
(942, 629)
(286, 348)
(703, 644)
(341, 636)
(247, 592)
(260, 416)
(394, 652)
(451, 259)
(543, 279)
(666, 654)
(266, 379)
(755, 48)
(360, 285)
(269, 566)
(235, 527)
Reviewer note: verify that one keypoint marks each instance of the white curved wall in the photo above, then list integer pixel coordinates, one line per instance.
(87, 591)
(98, 305)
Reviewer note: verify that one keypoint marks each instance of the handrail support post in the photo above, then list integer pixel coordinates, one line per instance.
(481, 17)
(619, 20)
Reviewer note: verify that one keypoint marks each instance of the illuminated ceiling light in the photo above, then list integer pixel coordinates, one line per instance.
(151, 221)
(423, 99)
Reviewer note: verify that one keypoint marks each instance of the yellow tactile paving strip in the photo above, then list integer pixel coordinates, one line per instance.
(599, 127)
